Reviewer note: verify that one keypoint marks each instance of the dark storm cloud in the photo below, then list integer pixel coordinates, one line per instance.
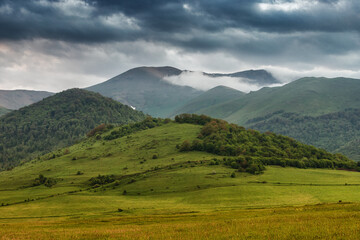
(86, 21)
(59, 20)
(212, 15)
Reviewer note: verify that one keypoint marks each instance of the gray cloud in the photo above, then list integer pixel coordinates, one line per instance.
(79, 42)
(100, 21)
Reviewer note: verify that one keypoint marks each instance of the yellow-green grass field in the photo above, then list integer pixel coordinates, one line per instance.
(329, 221)
(174, 195)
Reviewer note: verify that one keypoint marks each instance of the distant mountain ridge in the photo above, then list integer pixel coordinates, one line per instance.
(258, 77)
(15, 99)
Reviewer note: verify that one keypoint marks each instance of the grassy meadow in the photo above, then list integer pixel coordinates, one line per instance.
(161, 193)
(328, 221)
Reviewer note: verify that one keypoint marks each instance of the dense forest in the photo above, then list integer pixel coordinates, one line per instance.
(335, 132)
(221, 138)
(56, 122)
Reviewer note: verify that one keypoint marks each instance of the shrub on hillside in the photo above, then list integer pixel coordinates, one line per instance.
(102, 179)
(41, 180)
(99, 129)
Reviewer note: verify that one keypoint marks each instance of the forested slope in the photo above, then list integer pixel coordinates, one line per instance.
(56, 122)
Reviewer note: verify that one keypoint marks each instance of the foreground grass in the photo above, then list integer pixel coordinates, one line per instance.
(329, 221)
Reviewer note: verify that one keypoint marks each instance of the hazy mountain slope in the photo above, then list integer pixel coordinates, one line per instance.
(258, 77)
(4, 111)
(15, 99)
(306, 96)
(351, 149)
(217, 95)
(226, 109)
(145, 89)
(57, 121)
(336, 132)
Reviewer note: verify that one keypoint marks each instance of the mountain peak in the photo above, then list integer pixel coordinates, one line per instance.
(260, 75)
(145, 89)
(158, 72)
(223, 88)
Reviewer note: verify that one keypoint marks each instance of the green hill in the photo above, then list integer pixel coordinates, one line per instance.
(306, 96)
(145, 89)
(150, 172)
(56, 122)
(4, 111)
(217, 95)
(219, 137)
(331, 131)
(312, 110)
(15, 99)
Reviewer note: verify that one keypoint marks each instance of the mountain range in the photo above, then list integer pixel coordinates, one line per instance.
(146, 88)
(143, 88)
(15, 99)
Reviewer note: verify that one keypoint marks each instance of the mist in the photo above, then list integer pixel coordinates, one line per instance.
(201, 81)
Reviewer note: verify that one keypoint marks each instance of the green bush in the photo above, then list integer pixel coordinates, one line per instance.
(102, 179)
(41, 180)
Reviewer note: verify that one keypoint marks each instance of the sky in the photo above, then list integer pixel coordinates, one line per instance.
(59, 44)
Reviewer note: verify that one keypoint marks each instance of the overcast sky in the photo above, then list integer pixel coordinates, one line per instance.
(59, 44)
